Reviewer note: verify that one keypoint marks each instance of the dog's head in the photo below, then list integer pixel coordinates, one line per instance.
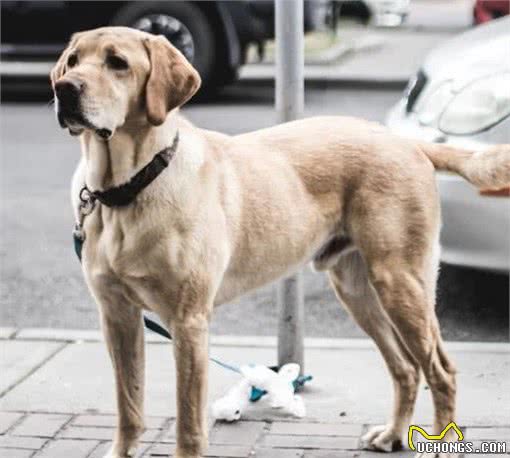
(110, 75)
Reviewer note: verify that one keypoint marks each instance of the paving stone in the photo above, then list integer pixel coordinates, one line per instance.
(73, 335)
(16, 453)
(169, 436)
(400, 454)
(8, 419)
(150, 435)
(87, 432)
(156, 422)
(20, 358)
(40, 425)
(307, 442)
(330, 454)
(30, 443)
(214, 451)
(101, 450)
(111, 421)
(497, 433)
(316, 429)
(278, 453)
(228, 451)
(64, 448)
(104, 447)
(161, 450)
(102, 433)
(479, 455)
(108, 421)
(238, 433)
(59, 334)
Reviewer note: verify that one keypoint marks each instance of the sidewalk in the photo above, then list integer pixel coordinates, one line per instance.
(57, 399)
(365, 55)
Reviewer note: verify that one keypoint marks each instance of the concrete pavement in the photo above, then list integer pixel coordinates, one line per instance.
(57, 399)
(364, 55)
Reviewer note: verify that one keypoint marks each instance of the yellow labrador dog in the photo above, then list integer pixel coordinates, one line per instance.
(224, 215)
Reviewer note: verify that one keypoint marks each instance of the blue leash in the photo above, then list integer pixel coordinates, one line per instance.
(256, 393)
(155, 327)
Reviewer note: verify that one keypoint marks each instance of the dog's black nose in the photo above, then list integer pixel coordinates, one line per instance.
(68, 93)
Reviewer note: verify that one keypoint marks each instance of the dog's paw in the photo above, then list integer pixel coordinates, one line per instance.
(381, 438)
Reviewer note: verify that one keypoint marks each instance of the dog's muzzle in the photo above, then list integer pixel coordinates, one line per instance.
(70, 115)
(68, 93)
(67, 101)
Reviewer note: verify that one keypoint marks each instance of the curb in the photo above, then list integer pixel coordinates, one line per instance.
(322, 74)
(80, 335)
(336, 83)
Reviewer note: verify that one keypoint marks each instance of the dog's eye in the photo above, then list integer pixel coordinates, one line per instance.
(116, 63)
(72, 60)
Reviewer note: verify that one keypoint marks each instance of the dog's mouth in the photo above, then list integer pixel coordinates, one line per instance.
(72, 120)
(76, 122)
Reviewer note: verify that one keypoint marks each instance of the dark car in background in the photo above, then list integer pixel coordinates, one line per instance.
(214, 35)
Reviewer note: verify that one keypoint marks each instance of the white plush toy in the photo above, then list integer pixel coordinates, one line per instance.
(230, 406)
(278, 385)
(257, 382)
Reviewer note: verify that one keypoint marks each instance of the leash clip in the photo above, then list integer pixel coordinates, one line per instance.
(78, 232)
(86, 206)
(87, 201)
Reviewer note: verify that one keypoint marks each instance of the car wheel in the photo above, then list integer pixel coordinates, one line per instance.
(357, 9)
(182, 23)
(472, 304)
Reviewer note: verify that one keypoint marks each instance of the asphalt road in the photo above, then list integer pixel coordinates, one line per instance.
(41, 283)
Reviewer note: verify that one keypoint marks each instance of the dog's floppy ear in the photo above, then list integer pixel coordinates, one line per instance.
(61, 66)
(172, 80)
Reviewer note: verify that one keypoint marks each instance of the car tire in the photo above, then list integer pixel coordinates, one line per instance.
(472, 304)
(357, 9)
(194, 22)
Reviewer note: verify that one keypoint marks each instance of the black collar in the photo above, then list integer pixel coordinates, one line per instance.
(126, 193)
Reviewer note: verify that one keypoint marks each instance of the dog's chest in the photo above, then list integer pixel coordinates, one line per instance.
(131, 249)
(136, 269)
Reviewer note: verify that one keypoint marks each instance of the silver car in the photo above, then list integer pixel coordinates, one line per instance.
(461, 96)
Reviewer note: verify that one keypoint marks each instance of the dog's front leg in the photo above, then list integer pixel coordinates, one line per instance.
(191, 359)
(123, 331)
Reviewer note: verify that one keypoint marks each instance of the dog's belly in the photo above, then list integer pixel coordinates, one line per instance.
(272, 260)
(282, 223)
(235, 284)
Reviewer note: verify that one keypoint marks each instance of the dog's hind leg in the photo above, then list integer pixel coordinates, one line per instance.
(350, 281)
(406, 298)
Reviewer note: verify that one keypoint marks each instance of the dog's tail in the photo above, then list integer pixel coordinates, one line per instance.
(488, 169)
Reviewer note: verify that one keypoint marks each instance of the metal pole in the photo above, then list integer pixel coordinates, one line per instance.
(289, 105)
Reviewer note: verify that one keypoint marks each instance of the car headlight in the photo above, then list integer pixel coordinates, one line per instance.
(430, 108)
(477, 106)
